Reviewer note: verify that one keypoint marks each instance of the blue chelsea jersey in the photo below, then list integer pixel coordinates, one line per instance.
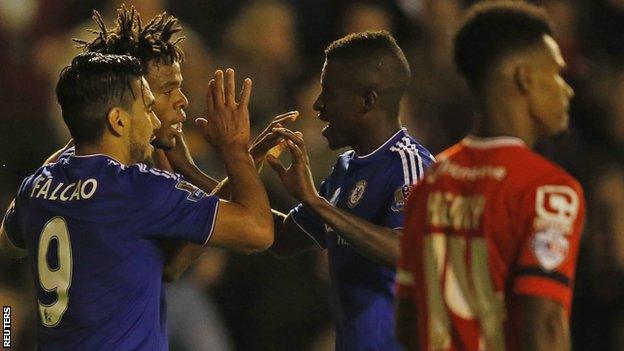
(373, 187)
(91, 228)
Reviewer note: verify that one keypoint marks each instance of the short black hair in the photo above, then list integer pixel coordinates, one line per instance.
(493, 30)
(369, 45)
(90, 87)
(152, 42)
(380, 62)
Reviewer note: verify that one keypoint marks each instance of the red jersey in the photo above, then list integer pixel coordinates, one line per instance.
(490, 221)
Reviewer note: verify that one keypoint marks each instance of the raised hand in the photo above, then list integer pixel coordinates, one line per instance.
(269, 142)
(226, 125)
(297, 178)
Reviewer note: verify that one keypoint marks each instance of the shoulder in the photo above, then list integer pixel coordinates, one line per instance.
(408, 146)
(533, 170)
(451, 152)
(409, 159)
(27, 183)
(141, 177)
(546, 189)
(143, 172)
(132, 180)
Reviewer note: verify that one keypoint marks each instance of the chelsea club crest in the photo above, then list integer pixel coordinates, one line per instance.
(356, 194)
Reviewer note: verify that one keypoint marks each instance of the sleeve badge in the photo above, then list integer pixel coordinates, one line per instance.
(195, 193)
(400, 196)
(550, 246)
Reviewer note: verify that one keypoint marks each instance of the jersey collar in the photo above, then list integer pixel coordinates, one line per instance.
(391, 141)
(86, 158)
(492, 142)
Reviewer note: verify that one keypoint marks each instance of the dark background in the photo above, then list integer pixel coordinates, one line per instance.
(230, 301)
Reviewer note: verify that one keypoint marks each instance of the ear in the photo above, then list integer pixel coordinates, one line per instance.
(523, 78)
(117, 121)
(369, 100)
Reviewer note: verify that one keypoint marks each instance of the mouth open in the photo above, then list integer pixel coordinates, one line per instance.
(177, 127)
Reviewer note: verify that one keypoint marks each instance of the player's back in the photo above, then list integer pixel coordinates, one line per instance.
(491, 220)
(89, 224)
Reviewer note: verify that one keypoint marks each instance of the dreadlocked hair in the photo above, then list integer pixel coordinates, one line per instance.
(152, 42)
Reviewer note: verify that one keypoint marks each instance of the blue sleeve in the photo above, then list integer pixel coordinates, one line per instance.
(12, 227)
(12, 218)
(404, 176)
(309, 222)
(169, 207)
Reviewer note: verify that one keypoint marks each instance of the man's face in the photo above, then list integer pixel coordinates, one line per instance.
(166, 82)
(337, 105)
(549, 99)
(143, 124)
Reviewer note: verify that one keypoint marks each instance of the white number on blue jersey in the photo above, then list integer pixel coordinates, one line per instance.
(55, 280)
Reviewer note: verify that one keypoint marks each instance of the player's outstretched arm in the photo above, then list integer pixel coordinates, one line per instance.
(181, 161)
(244, 223)
(406, 324)
(543, 324)
(377, 243)
(184, 255)
(179, 158)
(7, 248)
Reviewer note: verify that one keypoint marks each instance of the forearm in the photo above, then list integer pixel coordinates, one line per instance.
(377, 243)
(161, 161)
(187, 253)
(246, 189)
(543, 325)
(6, 246)
(546, 336)
(200, 179)
(179, 258)
(222, 189)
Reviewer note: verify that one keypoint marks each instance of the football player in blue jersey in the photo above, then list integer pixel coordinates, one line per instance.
(90, 222)
(357, 214)
(156, 44)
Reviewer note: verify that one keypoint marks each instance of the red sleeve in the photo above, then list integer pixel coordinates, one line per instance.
(552, 216)
(407, 265)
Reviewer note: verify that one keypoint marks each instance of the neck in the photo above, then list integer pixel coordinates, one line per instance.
(373, 136)
(104, 148)
(501, 115)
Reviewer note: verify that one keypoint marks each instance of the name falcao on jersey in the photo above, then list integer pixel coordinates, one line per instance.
(81, 190)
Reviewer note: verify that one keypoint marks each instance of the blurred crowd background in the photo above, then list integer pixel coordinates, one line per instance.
(236, 302)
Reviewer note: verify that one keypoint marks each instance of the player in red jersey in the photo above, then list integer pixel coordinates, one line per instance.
(492, 233)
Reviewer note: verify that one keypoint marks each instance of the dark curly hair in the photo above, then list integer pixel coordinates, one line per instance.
(152, 42)
(493, 30)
